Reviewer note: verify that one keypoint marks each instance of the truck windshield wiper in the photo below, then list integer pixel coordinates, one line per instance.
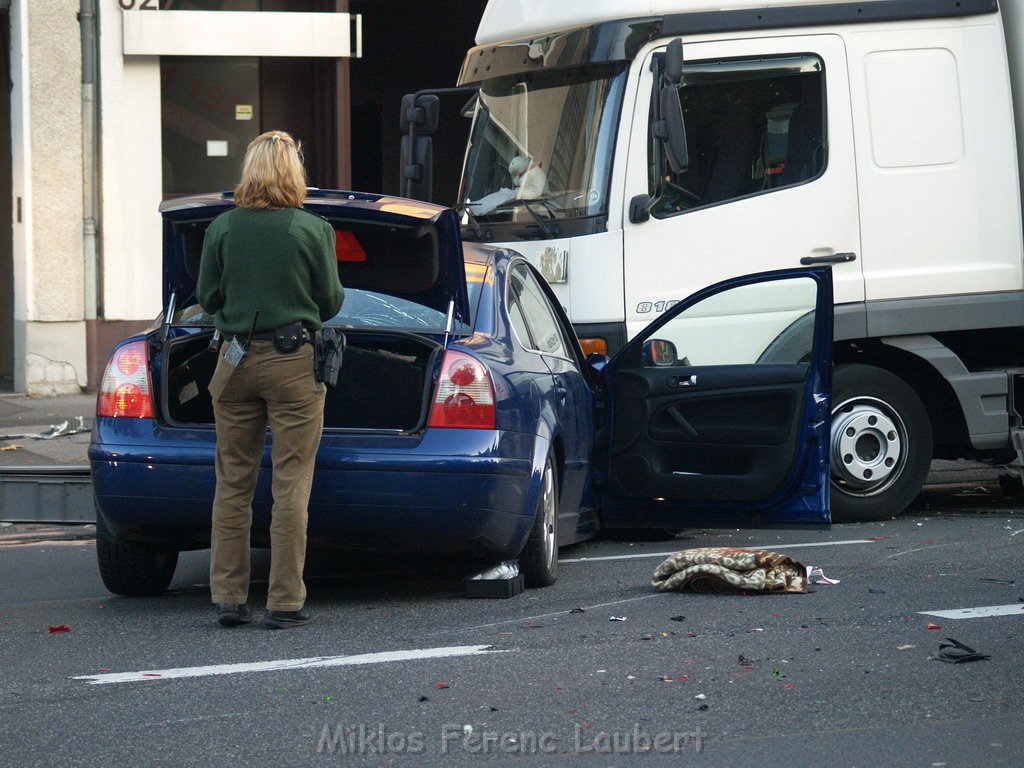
(546, 226)
(473, 227)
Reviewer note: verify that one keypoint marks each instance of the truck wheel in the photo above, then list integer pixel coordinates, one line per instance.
(134, 570)
(539, 559)
(881, 446)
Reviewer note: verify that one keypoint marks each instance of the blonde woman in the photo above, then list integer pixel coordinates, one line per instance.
(267, 266)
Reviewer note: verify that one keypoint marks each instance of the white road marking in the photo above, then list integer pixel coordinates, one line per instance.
(979, 612)
(1016, 532)
(150, 675)
(744, 546)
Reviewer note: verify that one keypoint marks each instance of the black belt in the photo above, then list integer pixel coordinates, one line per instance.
(307, 337)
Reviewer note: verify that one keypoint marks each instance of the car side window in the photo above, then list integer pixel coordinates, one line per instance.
(529, 307)
(752, 126)
(757, 324)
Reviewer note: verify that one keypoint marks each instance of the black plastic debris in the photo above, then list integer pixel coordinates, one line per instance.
(578, 610)
(997, 581)
(876, 591)
(500, 582)
(955, 652)
(678, 618)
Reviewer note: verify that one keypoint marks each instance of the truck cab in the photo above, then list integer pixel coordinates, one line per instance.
(877, 137)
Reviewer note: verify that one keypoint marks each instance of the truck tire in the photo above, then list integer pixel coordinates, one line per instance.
(881, 444)
(538, 561)
(134, 570)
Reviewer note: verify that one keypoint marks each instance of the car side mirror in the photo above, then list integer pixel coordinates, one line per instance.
(597, 361)
(659, 353)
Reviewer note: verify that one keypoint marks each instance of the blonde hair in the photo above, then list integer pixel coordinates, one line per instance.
(272, 173)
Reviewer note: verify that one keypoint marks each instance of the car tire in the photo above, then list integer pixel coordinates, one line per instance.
(133, 569)
(880, 447)
(538, 562)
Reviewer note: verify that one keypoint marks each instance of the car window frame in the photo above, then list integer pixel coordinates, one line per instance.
(569, 343)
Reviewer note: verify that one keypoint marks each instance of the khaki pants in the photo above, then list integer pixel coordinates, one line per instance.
(279, 389)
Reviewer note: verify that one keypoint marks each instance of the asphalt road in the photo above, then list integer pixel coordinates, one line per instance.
(837, 677)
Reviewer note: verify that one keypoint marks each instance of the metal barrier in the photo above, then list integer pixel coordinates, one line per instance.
(47, 494)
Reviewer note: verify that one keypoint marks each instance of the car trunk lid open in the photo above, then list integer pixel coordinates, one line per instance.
(401, 263)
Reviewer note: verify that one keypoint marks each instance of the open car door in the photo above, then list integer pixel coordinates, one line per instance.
(719, 410)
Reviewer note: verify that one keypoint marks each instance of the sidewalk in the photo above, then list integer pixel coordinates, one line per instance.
(20, 414)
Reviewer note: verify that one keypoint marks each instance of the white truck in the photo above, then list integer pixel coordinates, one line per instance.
(878, 136)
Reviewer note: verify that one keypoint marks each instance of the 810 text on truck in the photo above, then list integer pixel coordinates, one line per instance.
(637, 151)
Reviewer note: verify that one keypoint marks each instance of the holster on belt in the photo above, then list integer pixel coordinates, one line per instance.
(288, 338)
(328, 348)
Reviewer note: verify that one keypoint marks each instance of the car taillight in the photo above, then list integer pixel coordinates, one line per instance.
(126, 388)
(464, 397)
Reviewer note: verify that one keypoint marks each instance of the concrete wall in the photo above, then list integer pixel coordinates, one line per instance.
(130, 190)
(47, 150)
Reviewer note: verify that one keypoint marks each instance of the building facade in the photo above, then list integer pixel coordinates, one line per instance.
(116, 105)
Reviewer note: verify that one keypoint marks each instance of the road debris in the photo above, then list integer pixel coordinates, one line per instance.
(730, 570)
(72, 426)
(955, 652)
(905, 647)
(58, 629)
(817, 576)
(616, 618)
(934, 626)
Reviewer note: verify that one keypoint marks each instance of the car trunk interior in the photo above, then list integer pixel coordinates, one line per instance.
(385, 381)
(386, 375)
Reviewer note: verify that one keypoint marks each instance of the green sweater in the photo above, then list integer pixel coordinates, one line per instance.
(280, 262)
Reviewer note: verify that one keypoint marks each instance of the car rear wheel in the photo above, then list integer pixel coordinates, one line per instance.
(133, 569)
(538, 561)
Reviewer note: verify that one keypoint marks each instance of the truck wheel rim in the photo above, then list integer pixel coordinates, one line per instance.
(868, 446)
(548, 508)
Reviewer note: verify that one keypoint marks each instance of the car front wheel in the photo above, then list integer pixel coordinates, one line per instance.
(133, 569)
(538, 561)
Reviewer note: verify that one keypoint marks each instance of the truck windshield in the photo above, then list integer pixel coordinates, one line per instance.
(541, 145)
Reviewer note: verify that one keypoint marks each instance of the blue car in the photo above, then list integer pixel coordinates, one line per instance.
(466, 418)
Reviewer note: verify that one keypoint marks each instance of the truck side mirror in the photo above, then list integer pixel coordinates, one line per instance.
(419, 113)
(418, 121)
(417, 159)
(670, 128)
(674, 61)
(673, 130)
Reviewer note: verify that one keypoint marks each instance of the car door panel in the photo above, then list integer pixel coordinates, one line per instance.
(725, 441)
(739, 436)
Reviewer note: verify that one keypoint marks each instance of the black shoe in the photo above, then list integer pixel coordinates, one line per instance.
(286, 619)
(233, 614)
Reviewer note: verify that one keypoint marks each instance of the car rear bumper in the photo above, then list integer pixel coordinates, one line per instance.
(369, 492)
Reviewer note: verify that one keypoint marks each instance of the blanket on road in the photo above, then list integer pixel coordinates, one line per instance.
(730, 570)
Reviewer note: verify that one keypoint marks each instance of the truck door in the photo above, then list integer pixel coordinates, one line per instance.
(771, 182)
(705, 426)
